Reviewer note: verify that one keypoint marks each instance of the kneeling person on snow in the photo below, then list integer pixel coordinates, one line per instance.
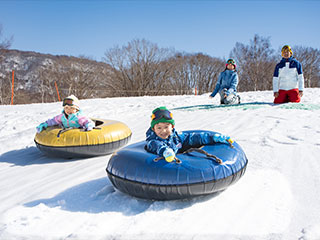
(288, 81)
(163, 140)
(227, 84)
(71, 116)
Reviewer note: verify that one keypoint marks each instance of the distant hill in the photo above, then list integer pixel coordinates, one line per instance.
(35, 74)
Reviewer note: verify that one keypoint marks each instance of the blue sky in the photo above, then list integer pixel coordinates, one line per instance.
(83, 27)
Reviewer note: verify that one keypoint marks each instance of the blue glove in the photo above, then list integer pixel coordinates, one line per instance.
(217, 137)
(42, 127)
(169, 155)
(88, 126)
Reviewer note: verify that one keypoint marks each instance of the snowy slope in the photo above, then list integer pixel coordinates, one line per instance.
(277, 198)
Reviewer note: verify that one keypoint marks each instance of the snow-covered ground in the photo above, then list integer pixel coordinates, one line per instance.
(277, 198)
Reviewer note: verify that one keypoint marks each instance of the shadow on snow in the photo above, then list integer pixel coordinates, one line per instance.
(244, 106)
(99, 195)
(251, 105)
(30, 156)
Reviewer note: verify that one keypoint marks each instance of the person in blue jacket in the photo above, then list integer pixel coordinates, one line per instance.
(227, 84)
(163, 140)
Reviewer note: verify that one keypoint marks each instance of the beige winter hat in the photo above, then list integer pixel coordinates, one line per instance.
(71, 101)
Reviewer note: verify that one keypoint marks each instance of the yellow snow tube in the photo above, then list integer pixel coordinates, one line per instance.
(105, 138)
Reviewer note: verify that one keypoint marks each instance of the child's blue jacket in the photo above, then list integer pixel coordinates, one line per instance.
(176, 141)
(227, 79)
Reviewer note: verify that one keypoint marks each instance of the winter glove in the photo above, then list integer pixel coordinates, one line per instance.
(169, 155)
(88, 126)
(42, 127)
(222, 138)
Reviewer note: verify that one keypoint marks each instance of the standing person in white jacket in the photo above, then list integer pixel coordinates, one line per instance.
(288, 81)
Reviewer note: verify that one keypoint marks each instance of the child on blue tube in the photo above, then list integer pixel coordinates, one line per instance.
(163, 140)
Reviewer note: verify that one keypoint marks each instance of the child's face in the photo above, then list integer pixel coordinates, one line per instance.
(230, 66)
(163, 129)
(69, 110)
(286, 53)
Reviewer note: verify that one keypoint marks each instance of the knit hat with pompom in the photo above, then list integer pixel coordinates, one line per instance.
(161, 114)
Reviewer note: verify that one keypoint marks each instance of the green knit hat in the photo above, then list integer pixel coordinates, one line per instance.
(161, 114)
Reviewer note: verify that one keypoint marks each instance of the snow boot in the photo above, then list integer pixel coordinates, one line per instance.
(231, 99)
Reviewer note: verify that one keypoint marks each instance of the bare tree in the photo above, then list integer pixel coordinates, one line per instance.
(46, 85)
(180, 80)
(206, 71)
(310, 61)
(79, 82)
(138, 67)
(5, 88)
(72, 77)
(194, 71)
(255, 63)
(5, 83)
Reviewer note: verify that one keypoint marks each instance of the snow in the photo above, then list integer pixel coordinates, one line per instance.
(277, 198)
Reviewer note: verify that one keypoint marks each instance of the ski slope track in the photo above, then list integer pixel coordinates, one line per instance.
(59, 199)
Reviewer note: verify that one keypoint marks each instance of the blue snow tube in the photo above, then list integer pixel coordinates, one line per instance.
(142, 174)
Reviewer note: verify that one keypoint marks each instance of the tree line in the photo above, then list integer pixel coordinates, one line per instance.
(143, 68)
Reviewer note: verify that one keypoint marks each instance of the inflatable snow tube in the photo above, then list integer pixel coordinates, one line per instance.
(105, 138)
(139, 173)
